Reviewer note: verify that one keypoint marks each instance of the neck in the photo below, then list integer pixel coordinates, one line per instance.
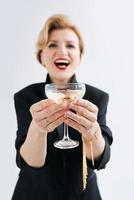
(57, 81)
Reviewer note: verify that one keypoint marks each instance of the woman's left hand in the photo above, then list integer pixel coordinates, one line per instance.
(84, 119)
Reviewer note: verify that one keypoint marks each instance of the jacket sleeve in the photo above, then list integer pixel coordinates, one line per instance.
(106, 132)
(23, 121)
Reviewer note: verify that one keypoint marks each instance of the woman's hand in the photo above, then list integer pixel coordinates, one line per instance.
(47, 115)
(85, 118)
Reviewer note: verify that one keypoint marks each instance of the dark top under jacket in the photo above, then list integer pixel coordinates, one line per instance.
(61, 176)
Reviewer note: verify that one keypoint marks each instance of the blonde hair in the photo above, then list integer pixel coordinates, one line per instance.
(55, 22)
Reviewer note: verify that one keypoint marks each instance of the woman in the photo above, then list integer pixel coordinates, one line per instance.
(46, 172)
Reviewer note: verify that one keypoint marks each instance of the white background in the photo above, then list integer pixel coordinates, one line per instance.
(108, 30)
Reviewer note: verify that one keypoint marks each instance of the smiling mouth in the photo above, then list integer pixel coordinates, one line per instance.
(62, 63)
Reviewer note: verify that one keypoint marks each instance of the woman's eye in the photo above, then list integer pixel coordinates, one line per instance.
(51, 45)
(71, 46)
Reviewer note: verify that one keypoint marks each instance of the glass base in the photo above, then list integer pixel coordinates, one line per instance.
(66, 144)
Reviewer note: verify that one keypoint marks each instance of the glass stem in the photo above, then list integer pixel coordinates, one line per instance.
(66, 135)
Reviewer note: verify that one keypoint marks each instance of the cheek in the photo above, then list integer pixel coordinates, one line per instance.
(77, 59)
(44, 58)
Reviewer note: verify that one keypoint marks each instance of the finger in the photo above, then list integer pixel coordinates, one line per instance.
(87, 105)
(75, 125)
(46, 125)
(79, 119)
(84, 112)
(48, 111)
(40, 105)
(88, 134)
(55, 124)
(54, 117)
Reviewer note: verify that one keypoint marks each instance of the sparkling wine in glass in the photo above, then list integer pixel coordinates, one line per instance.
(67, 93)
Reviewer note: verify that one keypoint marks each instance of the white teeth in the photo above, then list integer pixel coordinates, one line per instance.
(62, 61)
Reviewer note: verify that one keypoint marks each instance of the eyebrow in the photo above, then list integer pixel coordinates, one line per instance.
(53, 41)
(68, 41)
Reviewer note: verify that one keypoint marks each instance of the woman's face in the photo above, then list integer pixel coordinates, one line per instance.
(61, 55)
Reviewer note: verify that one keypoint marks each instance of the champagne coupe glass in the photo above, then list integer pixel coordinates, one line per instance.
(68, 92)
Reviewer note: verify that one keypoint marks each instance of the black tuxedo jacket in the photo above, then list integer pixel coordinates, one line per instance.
(61, 176)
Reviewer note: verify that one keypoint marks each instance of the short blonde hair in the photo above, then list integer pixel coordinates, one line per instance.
(55, 22)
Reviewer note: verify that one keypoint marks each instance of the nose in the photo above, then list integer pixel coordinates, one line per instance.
(62, 50)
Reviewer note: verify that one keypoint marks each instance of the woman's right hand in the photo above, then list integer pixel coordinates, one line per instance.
(47, 115)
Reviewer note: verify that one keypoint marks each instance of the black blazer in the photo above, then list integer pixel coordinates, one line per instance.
(61, 176)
